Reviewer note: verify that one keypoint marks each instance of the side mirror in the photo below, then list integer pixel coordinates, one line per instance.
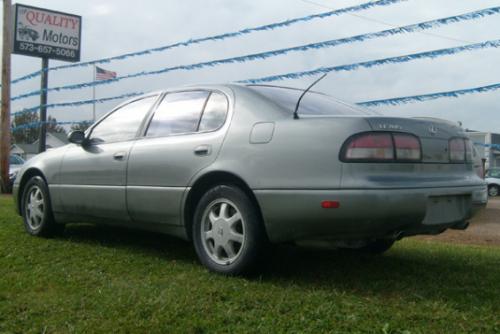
(77, 137)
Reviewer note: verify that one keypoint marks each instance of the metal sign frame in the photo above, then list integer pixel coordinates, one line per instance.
(30, 44)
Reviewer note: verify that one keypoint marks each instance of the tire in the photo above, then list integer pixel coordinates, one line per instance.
(378, 246)
(493, 190)
(37, 209)
(228, 233)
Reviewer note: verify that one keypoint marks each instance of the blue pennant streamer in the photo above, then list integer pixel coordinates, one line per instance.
(392, 101)
(79, 103)
(264, 55)
(220, 37)
(378, 62)
(495, 146)
(428, 97)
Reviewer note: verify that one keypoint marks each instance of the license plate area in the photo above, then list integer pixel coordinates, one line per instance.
(446, 209)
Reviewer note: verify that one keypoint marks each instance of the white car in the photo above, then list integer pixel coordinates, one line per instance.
(493, 180)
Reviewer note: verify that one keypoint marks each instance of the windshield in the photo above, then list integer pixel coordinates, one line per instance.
(312, 104)
(494, 172)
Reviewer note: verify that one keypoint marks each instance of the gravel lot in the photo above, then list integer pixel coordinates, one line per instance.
(483, 230)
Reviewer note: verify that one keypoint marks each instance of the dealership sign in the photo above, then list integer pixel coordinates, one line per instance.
(45, 33)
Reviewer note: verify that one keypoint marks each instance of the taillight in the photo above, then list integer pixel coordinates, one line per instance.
(382, 147)
(457, 149)
(468, 150)
(407, 147)
(370, 146)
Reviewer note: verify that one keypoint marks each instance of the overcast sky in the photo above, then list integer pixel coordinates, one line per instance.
(113, 27)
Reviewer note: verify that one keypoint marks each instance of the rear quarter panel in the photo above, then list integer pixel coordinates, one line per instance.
(302, 154)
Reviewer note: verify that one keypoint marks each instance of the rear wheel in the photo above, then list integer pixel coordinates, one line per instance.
(228, 234)
(37, 209)
(493, 190)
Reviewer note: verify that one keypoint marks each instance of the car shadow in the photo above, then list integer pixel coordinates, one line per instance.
(411, 271)
(148, 243)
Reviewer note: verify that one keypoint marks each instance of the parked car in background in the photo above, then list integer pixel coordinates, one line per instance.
(234, 168)
(493, 180)
(15, 164)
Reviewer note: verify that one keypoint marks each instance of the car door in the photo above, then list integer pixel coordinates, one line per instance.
(93, 176)
(184, 136)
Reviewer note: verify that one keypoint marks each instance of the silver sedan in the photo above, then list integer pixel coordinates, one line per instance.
(234, 169)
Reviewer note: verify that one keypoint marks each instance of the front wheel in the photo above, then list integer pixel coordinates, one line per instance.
(228, 233)
(493, 190)
(37, 210)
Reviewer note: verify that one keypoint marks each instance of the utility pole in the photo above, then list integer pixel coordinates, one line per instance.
(5, 113)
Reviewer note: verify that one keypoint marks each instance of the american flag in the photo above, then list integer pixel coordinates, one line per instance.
(102, 74)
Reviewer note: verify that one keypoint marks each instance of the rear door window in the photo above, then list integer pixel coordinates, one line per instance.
(215, 113)
(178, 113)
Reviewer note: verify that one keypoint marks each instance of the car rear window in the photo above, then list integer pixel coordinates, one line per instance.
(312, 104)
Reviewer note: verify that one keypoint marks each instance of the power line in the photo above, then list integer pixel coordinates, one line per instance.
(390, 24)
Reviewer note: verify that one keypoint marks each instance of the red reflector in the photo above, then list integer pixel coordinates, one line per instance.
(330, 204)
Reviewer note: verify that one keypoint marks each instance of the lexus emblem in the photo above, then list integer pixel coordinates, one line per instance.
(433, 130)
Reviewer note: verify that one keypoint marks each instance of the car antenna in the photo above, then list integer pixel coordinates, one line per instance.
(296, 112)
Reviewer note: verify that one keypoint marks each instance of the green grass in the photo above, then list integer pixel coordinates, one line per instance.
(102, 280)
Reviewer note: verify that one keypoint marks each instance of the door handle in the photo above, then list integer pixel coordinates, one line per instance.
(119, 155)
(203, 150)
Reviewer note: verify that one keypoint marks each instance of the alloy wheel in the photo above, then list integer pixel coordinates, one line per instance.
(35, 208)
(493, 191)
(222, 231)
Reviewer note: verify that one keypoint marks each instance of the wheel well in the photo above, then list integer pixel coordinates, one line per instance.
(208, 181)
(26, 177)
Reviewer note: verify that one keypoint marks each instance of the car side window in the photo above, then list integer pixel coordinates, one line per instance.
(123, 123)
(215, 112)
(178, 113)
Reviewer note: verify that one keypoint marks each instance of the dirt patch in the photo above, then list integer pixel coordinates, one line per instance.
(484, 228)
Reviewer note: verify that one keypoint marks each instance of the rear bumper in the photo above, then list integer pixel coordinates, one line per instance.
(293, 215)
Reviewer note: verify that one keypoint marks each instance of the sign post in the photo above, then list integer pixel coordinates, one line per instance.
(48, 34)
(42, 135)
